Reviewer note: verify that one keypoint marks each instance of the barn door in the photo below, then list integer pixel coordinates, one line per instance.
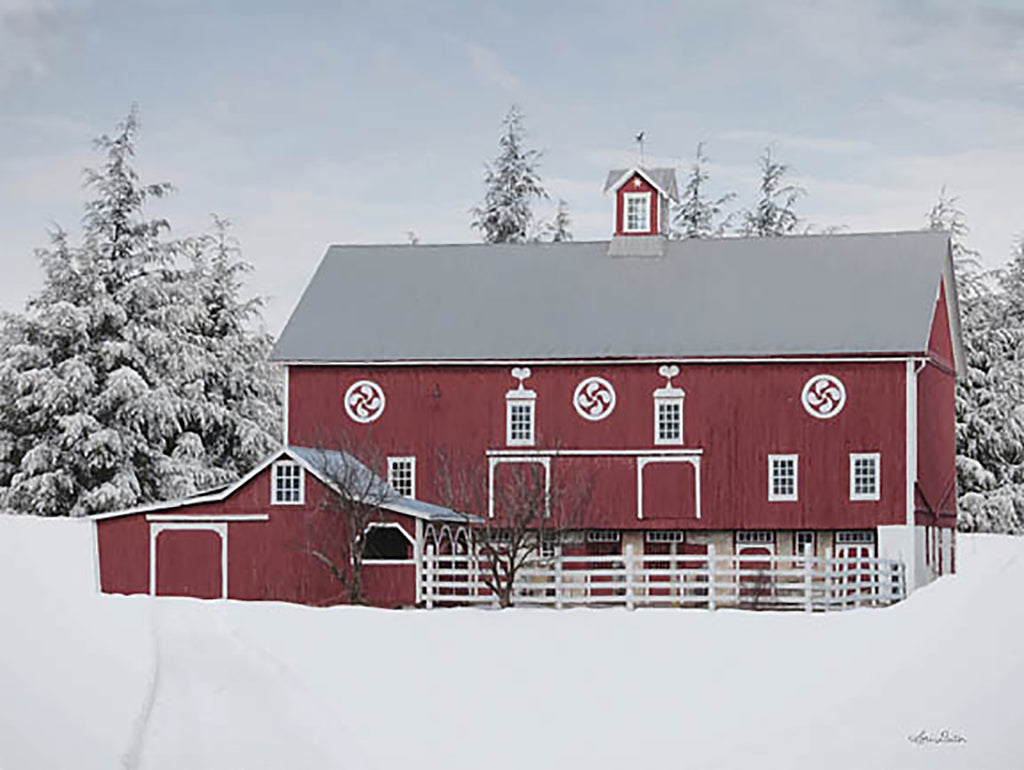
(189, 563)
(854, 549)
(755, 575)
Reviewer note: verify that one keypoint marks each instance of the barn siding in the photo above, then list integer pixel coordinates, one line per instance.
(267, 560)
(737, 414)
(620, 206)
(936, 426)
(124, 555)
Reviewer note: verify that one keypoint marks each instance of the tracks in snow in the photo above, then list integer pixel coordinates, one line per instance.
(217, 701)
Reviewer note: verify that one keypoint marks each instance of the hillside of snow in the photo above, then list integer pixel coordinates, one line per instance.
(90, 681)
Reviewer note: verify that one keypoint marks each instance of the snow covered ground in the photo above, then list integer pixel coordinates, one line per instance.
(89, 681)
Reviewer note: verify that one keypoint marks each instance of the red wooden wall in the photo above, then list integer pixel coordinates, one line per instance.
(267, 560)
(737, 414)
(936, 425)
(620, 207)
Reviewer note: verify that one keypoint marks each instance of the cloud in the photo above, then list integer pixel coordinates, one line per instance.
(798, 141)
(25, 37)
(488, 66)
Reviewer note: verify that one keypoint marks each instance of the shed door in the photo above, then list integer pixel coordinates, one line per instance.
(188, 563)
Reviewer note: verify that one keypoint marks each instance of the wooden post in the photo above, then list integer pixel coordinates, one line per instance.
(828, 578)
(630, 601)
(428, 576)
(712, 580)
(558, 582)
(808, 586)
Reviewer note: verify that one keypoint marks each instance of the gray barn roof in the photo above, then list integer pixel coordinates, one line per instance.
(802, 295)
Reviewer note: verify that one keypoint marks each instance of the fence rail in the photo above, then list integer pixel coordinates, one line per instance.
(661, 580)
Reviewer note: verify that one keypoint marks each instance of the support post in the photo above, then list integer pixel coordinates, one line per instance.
(558, 582)
(630, 599)
(808, 586)
(828, 578)
(428, 577)
(712, 579)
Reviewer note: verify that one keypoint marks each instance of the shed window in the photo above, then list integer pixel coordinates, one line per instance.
(638, 212)
(286, 484)
(386, 543)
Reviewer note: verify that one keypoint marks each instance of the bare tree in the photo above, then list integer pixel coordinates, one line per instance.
(521, 508)
(353, 497)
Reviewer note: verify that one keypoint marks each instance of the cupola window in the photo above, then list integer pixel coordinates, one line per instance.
(638, 212)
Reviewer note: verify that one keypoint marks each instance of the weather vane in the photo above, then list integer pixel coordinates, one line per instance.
(639, 139)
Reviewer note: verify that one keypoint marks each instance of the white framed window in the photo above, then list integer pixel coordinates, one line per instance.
(801, 540)
(668, 421)
(755, 537)
(603, 536)
(402, 475)
(855, 536)
(664, 536)
(783, 477)
(865, 476)
(637, 215)
(520, 419)
(286, 483)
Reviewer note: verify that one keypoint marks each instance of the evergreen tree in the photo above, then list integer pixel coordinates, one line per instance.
(512, 183)
(696, 215)
(774, 213)
(989, 416)
(104, 396)
(557, 230)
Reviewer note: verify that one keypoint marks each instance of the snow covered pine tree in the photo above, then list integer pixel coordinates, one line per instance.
(512, 184)
(774, 213)
(121, 382)
(696, 215)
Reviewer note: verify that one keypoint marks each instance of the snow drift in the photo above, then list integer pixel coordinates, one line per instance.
(93, 681)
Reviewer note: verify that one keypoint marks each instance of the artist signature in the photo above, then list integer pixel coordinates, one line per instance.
(945, 736)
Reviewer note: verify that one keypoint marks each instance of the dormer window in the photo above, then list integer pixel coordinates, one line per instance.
(638, 212)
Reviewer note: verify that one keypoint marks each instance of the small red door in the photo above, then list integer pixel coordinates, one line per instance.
(755, 574)
(849, 554)
(188, 563)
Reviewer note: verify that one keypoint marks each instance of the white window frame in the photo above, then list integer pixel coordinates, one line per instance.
(390, 525)
(521, 398)
(778, 497)
(798, 550)
(876, 459)
(393, 466)
(667, 400)
(274, 496)
(645, 199)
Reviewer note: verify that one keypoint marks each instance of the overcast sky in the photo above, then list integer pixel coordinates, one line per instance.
(310, 123)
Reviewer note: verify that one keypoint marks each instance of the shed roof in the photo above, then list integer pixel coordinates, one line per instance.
(328, 466)
(810, 295)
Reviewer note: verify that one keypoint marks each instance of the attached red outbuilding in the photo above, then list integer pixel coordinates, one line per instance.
(267, 537)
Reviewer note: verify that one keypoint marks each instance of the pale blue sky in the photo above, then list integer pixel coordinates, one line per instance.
(310, 123)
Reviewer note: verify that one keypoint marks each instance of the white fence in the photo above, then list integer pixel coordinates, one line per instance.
(644, 580)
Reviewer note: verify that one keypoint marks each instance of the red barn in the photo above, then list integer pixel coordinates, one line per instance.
(755, 395)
